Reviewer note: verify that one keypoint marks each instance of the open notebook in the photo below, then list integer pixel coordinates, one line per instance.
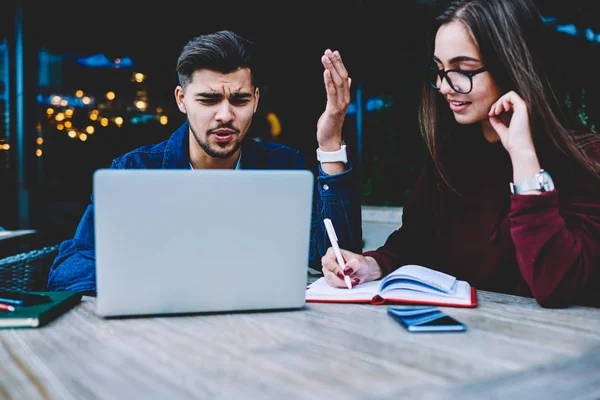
(413, 284)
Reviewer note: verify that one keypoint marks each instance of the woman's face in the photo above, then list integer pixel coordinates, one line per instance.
(456, 49)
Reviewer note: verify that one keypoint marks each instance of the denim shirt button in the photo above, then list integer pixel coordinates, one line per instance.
(325, 187)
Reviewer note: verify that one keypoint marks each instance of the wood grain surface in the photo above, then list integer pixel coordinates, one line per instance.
(512, 349)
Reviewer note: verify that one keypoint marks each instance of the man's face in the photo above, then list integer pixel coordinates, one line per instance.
(219, 109)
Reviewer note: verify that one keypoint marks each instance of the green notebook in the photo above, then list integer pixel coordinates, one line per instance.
(39, 315)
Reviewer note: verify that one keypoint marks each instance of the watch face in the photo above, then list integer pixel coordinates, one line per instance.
(546, 181)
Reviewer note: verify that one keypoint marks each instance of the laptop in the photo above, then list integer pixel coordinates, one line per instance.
(201, 241)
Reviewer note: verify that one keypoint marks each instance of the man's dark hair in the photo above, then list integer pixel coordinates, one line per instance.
(223, 51)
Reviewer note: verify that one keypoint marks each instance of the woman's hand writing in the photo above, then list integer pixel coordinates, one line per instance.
(360, 269)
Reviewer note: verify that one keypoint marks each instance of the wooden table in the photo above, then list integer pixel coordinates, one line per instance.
(513, 349)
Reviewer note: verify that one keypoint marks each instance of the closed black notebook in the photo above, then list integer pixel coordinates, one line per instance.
(39, 315)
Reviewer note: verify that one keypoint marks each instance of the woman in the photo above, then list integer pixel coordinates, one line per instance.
(510, 198)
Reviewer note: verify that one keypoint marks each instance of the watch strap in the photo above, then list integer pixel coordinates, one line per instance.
(541, 181)
(333, 156)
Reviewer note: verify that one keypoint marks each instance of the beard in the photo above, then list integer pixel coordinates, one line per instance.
(217, 151)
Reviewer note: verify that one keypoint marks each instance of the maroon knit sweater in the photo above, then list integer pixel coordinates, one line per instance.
(545, 246)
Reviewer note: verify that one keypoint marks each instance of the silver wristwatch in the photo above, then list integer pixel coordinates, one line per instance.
(542, 181)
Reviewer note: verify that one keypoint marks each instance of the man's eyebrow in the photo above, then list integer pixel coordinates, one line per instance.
(241, 95)
(458, 59)
(216, 95)
(210, 95)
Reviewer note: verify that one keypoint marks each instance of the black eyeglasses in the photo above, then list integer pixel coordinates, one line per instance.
(460, 81)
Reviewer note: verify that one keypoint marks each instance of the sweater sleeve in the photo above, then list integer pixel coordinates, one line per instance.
(556, 241)
(409, 244)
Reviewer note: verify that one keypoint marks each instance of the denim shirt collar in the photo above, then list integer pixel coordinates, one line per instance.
(177, 150)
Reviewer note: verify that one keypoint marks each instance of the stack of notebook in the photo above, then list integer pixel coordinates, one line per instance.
(34, 309)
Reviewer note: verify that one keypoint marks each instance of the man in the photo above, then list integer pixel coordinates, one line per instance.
(219, 96)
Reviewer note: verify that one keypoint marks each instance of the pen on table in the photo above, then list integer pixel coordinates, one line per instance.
(6, 307)
(336, 249)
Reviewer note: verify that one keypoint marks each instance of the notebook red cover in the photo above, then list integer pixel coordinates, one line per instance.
(378, 300)
(321, 292)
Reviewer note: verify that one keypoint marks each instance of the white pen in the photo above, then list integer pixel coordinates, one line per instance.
(336, 249)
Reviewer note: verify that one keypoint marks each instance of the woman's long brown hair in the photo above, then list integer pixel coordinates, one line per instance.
(511, 37)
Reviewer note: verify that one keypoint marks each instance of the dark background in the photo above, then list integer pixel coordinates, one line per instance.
(381, 42)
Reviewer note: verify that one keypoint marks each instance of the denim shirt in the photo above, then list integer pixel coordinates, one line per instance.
(74, 268)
